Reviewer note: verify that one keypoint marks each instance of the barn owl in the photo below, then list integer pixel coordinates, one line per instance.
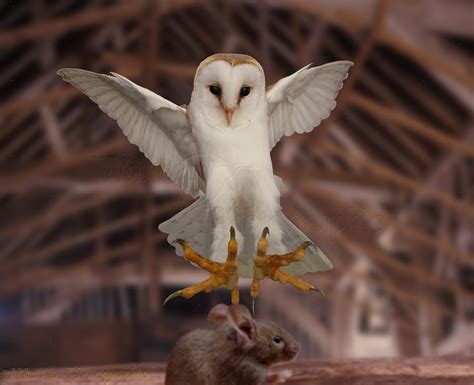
(218, 150)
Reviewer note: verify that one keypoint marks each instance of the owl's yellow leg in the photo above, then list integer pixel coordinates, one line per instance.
(269, 266)
(188, 292)
(222, 274)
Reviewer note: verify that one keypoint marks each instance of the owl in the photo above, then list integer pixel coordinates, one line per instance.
(218, 149)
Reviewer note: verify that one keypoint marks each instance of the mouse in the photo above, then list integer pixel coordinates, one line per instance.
(238, 351)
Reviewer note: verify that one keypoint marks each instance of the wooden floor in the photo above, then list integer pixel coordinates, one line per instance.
(422, 371)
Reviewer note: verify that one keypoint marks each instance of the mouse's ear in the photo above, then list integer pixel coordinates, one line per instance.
(245, 326)
(218, 313)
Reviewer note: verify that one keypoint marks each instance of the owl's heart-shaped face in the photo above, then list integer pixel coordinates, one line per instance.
(229, 90)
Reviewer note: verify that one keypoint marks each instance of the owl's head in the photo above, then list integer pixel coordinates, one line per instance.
(229, 89)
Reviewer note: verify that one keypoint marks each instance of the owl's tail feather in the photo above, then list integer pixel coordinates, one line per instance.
(315, 260)
(195, 224)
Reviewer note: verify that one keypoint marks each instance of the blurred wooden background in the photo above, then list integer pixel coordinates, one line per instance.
(414, 371)
(384, 186)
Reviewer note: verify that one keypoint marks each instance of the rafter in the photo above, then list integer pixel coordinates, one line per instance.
(379, 216)
(71, 241)
(412, 184)
(410, 123)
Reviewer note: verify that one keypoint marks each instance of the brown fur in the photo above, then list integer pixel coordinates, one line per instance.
(234, 59)
(214, 357)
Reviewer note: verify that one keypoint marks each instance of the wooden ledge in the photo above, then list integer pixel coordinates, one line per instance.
(416, 371)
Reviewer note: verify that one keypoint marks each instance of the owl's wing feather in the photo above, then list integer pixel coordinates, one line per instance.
(299, 102)
(157, 126)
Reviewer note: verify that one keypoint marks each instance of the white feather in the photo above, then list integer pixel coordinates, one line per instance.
(299, 102)
(137, 112)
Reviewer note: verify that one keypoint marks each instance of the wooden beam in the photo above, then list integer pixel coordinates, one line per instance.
(402, 371)
(428, 59)
(304, 214)
(50, 166)
(435, 105)
(264, 37)
(331, 233)
(225, 18)
(40, 256)
(83, 282)
(53, 131)
(193, 27)
(462, 206)
(32, 278)
(387, 147)
(303, 317)
(27, 103)
(389, 97)
(22, 139)
(410, 123)
(368, 42)
(60, 26)
(453, 18)
(389, 263)
(30, 238)
(89, 18)
(45, 219)
(150, 39)
(37, 277)
(130, 66)
(447, 161)
(358, 187)
(126, 64)
(372, 214)
(341, 14)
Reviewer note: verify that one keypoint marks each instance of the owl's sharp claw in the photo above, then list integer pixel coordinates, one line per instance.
(182, 242)
(265, 232)
(222, 274)
(318, 290)
(172, 295)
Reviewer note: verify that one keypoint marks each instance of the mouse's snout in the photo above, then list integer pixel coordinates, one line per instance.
(291, 350)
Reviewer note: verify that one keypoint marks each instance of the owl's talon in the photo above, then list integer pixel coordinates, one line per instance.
(265, 232)
(266, 265)
(318, 290)
(182, 242)
(177, 293)
(222, 274)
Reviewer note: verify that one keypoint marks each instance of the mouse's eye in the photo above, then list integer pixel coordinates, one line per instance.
(277, 340)
(244, 91)
(215, 90)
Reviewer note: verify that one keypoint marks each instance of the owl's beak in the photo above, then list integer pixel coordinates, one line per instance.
(228, 115)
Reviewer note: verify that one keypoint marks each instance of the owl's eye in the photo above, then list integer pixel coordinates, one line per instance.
(215, 90)
(244, 91)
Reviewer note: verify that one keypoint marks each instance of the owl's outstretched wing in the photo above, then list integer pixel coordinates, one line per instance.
(299, 102)
(157, 126)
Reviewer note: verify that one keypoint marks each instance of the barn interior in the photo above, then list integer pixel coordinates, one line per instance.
(384, 185)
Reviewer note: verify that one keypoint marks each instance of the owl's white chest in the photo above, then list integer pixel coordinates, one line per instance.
(234, 149)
